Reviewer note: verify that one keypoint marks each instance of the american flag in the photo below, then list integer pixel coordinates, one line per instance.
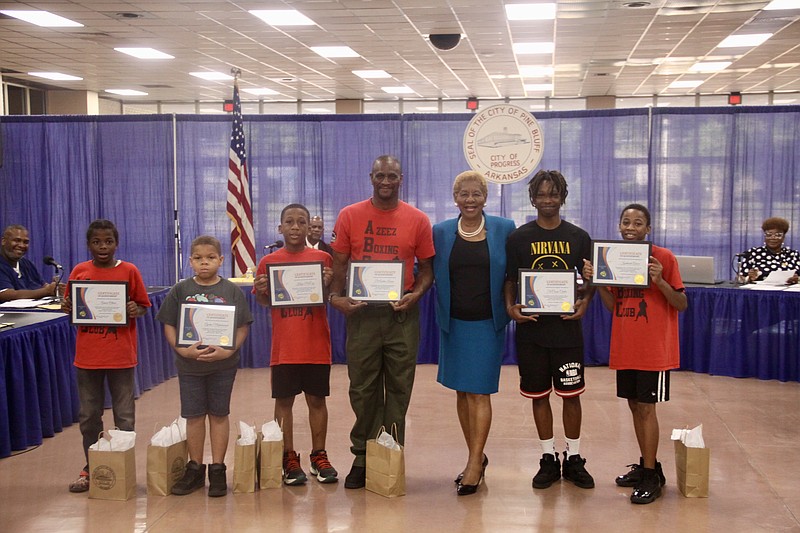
(239, 210)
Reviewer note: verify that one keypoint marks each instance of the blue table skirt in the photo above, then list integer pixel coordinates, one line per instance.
(38, 390)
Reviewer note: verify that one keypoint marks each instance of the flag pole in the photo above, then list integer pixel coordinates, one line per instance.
(238, 205)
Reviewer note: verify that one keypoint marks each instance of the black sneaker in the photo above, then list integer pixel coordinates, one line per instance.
(357, 478)
(194, 477)
(648, 489)
(292, 471)
(575, 471)
(217, 480)
(634, 476)
(322, 468)
(549, 471)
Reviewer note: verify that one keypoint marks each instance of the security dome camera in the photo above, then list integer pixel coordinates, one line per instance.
(445, 41)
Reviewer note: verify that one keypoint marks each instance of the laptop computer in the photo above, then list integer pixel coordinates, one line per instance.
(697, 269)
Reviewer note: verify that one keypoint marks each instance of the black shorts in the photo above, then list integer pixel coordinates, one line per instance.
(291, 380)
(646, 386)
(543, 369)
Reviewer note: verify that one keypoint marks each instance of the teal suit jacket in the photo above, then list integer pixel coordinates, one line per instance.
(444, 237)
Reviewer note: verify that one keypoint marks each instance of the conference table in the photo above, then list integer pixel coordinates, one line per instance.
(38, 390)
(726, 330)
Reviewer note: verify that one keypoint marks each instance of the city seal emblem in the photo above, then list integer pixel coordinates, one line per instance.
(504, 142)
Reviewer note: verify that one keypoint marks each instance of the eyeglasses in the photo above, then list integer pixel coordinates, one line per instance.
(773, 235)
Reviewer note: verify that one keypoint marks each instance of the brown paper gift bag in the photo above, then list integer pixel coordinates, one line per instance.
(165, 466)
(245, 459)
(691, 469)
(271, 464)
(386, 468)
(112, 474)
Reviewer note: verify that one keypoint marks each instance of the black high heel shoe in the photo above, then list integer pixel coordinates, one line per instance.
(485, 463)
(466, 490)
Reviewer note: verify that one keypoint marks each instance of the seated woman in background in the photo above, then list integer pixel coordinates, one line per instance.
(773, 256)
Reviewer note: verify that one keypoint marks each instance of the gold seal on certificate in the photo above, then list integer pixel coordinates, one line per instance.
(547, 292)
(375, 281)
(210, 324)
(99, 303)
(295, 284)
(621, 263)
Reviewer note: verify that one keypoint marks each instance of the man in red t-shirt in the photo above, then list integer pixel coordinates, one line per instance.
(382, 339)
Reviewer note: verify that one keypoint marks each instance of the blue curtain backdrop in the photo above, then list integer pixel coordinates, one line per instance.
(709, 175)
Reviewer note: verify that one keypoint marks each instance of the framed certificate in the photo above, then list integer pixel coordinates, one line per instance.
(210, 324)
(547, 292)
(621, 263)
(376, 281)
(99, 303)
(294, 284)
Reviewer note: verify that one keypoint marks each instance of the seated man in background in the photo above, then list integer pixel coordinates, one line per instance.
(18, 277)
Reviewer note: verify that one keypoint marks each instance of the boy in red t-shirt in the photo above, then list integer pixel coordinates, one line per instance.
(301, 348)
(644, 348)
(105, 353)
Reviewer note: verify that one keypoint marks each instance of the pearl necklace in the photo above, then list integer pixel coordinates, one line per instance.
(470, 234)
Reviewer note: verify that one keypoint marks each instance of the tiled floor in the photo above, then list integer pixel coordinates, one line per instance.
(751, 426)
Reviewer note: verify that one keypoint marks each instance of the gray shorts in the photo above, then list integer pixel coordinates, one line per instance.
(209, 394)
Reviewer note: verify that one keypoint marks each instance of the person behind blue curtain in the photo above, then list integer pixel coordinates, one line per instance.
(469, 271)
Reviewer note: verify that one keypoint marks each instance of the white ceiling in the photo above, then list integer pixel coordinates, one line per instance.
(602, 48)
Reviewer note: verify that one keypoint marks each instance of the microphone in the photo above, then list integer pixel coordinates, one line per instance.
(276, 244)
(743, 254)
(52, 262)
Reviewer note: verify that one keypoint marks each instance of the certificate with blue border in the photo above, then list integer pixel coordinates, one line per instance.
(295, 284)
(621, 263)
(99, 303)
(376, 281)
(210, 324)
(547, 292)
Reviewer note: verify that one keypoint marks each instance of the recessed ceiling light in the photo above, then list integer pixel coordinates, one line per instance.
(781, 4)
(55, 76)
(533, 48)
(211, 110)
(144, 53)
(334, 51)
(427, 108)
(211, 76)
(684, 84)
(535, 72)
(42, 18)
(498, 76)
(370, 74)
(538, 87)
(318, 110)
(126, 92)
(709, 66)
(742, 41)
(403, 89)
(530, 11)
(282, 17)
(260, 91)
(781, 102)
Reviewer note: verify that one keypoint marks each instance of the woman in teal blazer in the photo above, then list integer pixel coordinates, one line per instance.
(469, 271)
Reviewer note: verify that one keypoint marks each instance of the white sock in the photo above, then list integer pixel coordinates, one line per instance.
(549, 446)
(573, 446)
